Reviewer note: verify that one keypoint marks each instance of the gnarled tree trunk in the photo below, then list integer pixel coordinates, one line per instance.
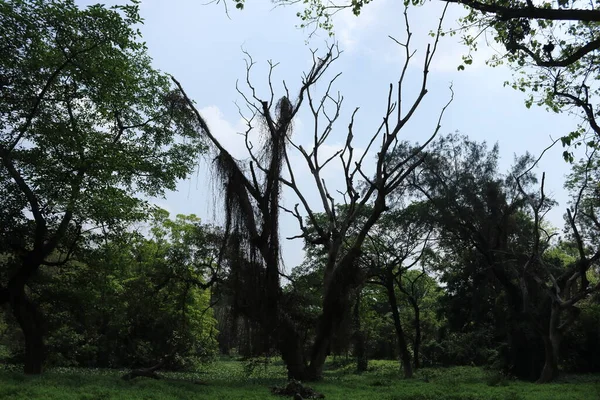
(550, 370)
(336, 302)
(551, 347)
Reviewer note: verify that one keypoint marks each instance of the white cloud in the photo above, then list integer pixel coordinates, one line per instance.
(351, 30)
(368, 34)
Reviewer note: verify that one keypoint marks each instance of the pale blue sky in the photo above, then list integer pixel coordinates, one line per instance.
(202, 48)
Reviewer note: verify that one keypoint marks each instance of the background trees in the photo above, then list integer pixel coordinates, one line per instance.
(129, 300)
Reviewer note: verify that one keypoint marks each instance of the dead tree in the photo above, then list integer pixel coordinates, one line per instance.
(253, 189)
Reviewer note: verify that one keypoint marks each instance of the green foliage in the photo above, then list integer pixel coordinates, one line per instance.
(88, 130)
(474, 347)
(130, 300)
(497, 378)
(581, 345)
(562, 53)
(87, 126)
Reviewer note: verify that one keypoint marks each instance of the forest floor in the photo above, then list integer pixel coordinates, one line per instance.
(230, 379)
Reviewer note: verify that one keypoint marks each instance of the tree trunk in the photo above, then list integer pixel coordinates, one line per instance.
(27, 315)
(26, 312)
(247, 350)
(551, 347)
(336, 303)
(292, 350)
(404, 352)
(360, 352)
(417, 343)
(524, 357)
(550, 370)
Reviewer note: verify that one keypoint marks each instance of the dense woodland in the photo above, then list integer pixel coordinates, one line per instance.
(431, 255)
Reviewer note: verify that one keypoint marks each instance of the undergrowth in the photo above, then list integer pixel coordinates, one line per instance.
(251, 379)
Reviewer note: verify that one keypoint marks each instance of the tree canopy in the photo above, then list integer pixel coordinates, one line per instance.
(87, 127)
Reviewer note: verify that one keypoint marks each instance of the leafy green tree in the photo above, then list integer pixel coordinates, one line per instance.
(377, 326)
(397, 244)
(168, 297)
(482, 223)
(87, 127)
(419, 293)
(128, 300)
(502, 219)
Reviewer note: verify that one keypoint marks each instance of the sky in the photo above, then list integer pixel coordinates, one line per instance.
(203, 47)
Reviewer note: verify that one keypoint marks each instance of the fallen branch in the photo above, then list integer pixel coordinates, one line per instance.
(145, 372)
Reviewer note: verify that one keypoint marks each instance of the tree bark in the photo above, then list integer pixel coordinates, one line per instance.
(360, 353)
(524, 357)
(417, 343)
(29, 319)
(292, 350)
(336, 302)
(550, 370)
(26, 313)
(330, 319)
(551, 347)
(403, 347)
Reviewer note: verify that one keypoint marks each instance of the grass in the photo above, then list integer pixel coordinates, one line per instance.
(230, 379)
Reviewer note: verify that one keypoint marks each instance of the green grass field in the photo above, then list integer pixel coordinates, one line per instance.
(228, 379)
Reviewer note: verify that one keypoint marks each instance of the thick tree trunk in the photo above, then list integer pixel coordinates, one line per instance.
(550, 370)
(551, 347)
(328, 322)
(336, 303)
(293, 357)
(27, 315)
(292, 350)
(403, 347)
(524, 357)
